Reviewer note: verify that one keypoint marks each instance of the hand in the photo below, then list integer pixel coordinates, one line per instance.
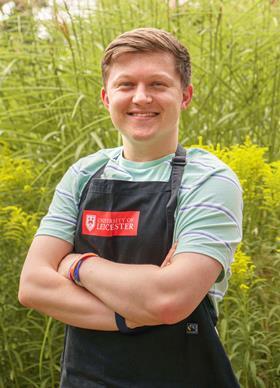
(168, 258)
(166, 261)
(66, 262)
(132, 325)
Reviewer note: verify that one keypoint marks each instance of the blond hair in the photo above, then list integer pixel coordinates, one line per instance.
(148, 40)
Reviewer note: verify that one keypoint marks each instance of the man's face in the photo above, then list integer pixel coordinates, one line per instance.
(144, 96)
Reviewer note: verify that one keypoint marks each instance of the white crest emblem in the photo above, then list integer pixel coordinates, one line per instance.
(90, 222)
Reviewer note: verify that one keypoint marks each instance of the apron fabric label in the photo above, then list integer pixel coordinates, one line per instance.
(107, 224)
(192, 328)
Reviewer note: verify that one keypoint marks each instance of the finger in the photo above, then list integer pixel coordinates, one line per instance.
(169, 254)
(172, 250)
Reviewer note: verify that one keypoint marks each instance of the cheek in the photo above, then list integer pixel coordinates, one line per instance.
(117, 109)
(169, 100)
(171, 108)
(119, 102)
(114, 110)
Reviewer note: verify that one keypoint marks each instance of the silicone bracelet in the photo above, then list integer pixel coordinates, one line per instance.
(73, 273)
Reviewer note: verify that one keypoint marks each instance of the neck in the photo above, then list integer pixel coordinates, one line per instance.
(146, 152)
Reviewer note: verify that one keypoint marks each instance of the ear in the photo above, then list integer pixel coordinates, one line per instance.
(104, 98)
(187, 96)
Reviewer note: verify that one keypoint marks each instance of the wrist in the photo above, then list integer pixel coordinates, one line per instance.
(75, 268)
(87, 270)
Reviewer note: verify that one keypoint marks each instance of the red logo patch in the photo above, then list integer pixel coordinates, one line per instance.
(107, 224)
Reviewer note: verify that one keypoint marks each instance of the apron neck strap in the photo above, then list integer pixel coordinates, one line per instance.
(178, 164)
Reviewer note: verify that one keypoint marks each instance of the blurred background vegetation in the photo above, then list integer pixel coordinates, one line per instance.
(51, 115)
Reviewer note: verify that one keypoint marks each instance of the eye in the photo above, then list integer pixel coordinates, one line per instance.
(125, 85)
(158, 84)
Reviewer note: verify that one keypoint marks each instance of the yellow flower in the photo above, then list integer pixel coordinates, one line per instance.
(242, 269)
(249, 164)
(27, 188)
(19, 226)
(244, 287)
(271, 192)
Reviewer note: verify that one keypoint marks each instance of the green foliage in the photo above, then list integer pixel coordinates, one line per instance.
(260, 183)
(50, 87)
(50, 115)
(250, 312)
(249, 324)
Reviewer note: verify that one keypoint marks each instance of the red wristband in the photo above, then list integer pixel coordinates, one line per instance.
(73, 273)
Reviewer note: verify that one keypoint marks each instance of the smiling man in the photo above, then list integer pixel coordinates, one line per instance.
(148, 119)
(135, 251)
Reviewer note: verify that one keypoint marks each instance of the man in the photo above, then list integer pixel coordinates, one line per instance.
(136, 247)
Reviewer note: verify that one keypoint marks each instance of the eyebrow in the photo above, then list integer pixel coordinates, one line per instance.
(153, 76)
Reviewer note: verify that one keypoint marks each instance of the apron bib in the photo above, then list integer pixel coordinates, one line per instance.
(133, 222)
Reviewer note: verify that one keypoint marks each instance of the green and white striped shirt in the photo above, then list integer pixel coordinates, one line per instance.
(208, 218)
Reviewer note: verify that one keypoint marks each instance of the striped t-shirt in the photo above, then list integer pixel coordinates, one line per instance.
(208, 218)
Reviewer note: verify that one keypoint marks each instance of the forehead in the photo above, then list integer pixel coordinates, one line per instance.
(143, 64)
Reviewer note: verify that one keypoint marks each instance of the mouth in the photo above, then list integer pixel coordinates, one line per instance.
(143, 114)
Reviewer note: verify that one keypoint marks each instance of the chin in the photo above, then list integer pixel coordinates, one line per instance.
(142, 138)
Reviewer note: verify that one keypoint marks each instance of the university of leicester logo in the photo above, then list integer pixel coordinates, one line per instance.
(90, 221)
(109, 224)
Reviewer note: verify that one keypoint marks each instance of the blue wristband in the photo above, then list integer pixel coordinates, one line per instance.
(121, 325)
(76, 273)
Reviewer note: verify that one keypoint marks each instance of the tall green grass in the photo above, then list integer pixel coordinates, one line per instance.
(50, 87)
(51, 114)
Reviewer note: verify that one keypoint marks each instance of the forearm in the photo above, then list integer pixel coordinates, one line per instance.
(131, 290)
(147, 294)
(58, 297)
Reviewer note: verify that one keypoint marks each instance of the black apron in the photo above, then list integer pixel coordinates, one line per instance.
(133, 222)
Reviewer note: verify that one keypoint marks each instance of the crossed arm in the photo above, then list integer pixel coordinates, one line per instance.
(143, 294)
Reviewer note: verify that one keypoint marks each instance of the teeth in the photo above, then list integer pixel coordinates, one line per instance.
(147, 114)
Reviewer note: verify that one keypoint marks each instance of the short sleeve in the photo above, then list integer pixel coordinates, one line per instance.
(209, 219)
(61, 219)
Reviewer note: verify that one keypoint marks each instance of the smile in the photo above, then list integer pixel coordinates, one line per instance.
(143, 114)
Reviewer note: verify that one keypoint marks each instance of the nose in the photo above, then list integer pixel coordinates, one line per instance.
(141, 95)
